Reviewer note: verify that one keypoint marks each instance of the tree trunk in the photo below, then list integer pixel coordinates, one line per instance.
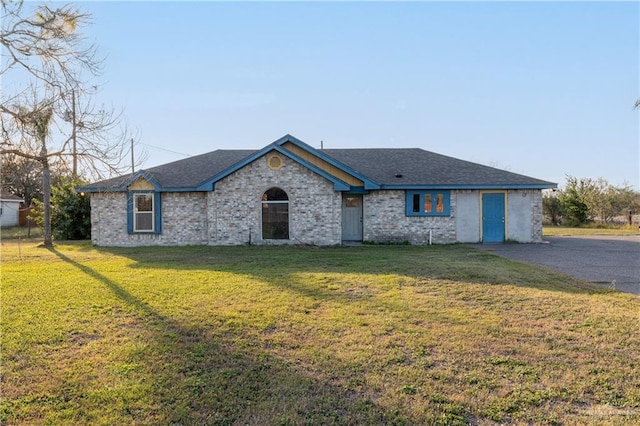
(46, 195)
(46, 199)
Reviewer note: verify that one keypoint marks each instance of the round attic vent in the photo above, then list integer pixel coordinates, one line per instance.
(274, 161)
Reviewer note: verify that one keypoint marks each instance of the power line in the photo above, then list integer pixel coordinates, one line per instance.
(164, 149)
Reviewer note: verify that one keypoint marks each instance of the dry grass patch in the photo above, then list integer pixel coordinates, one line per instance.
(561, 231)
(262, 335)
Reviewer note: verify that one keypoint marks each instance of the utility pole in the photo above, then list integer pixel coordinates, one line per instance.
(73, 133)
(132, 161)
(70, 117)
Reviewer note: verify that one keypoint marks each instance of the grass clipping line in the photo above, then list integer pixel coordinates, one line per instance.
(291, 335)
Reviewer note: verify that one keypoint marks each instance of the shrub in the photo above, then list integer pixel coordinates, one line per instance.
(70, 211)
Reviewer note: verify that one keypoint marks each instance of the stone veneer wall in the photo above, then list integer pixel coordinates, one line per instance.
(235, 212)
(536, 209)
(230, 215)
(385, 221)
(108, 218)
(183, 220)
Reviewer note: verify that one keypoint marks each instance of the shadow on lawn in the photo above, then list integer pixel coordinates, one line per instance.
(200, 378)
(447, 264)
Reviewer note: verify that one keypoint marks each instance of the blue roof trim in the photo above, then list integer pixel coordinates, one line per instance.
(463, 186)
(209, 184)
(368, 183)
(357, 190)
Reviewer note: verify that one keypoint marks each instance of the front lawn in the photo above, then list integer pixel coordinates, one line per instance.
(303, 335)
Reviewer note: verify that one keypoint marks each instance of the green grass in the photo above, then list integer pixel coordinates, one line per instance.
(20, 232)
(302, 335)
(551, 231)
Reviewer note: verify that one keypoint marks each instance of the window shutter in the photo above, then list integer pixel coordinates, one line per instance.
(157, 211)
(129, 213)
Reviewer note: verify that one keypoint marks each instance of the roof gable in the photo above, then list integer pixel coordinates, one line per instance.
(142, 184)
(326, 162)
(209, 184)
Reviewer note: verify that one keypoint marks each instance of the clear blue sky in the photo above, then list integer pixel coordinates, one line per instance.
(545, 89)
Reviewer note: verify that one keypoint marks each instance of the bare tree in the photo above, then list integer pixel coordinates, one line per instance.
(46, 44)
(35, 123)
(97, 140)
(46, 60)
(23, 176)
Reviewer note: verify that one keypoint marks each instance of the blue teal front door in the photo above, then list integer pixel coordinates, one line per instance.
(492, 218)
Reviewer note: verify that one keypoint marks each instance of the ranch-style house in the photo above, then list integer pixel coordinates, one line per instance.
(291, 193)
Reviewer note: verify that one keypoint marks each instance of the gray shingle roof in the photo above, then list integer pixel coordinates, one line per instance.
(420, 167)
(194, 170)
(5, 196)
(187, 173)
(384, 166)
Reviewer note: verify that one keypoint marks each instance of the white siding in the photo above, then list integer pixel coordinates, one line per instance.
(519, 216)
(9, 216)
(468, 217)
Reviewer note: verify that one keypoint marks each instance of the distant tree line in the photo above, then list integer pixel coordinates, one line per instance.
(587, 200)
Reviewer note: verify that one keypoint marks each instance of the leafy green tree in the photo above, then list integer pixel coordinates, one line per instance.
(35, 213)
(596, 195)
(587, 200)
(624, 200)
(71, 211)
(552, 208)
(573, 200)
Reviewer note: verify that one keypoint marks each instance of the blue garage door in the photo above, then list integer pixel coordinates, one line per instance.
(492, 218)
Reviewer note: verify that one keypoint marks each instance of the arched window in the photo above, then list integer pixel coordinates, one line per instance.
(275, 215)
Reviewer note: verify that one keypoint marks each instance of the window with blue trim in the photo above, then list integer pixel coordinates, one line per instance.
(428, 203)
(143, 212)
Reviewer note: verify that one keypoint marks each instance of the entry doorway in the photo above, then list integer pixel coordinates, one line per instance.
(493, 222)
(351, 217)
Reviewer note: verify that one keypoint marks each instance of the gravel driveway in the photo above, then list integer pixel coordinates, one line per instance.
(601, 259)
